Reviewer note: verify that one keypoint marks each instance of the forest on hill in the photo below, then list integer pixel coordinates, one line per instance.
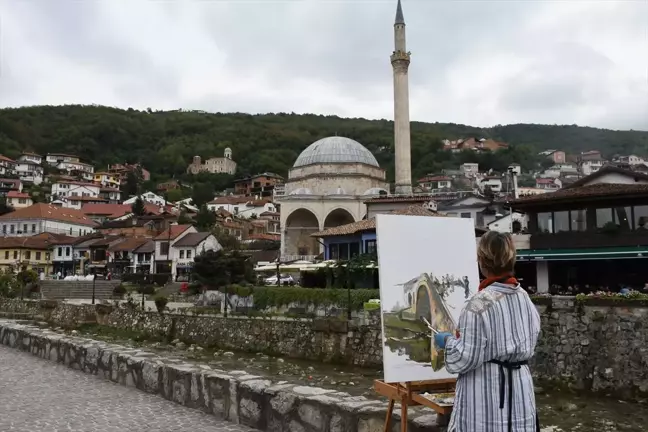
(165, 141)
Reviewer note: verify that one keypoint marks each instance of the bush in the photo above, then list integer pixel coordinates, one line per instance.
(146, 289)
(134, 278)
(195, 288)
(160, 303)
(119, 290)
(159, 279)
(265, 297)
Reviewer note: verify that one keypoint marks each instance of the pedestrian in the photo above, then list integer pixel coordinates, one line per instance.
(497, 335)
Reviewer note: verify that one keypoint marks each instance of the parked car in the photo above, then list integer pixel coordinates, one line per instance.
(283, 280)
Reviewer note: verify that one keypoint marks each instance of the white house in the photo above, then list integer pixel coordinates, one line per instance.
(7, 166)
(165, 255)
(590, 166)
(40, 218)
(70, 163)
(492, 183)
(511, 223)
(435, 182)
(112, 195)
(142, 257)
(29, 168)
(548, 183)
(242, 206)
(470, 207)
(469, 169)
(19, 199)
(149, 197)
(186, 249)
(71, 194)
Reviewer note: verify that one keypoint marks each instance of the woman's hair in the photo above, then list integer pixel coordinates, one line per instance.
(496, 253)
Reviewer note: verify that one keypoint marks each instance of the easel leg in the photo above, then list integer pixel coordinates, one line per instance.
(388, 417)
(404, 415)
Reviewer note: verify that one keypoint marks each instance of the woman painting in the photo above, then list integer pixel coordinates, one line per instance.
(497, 335)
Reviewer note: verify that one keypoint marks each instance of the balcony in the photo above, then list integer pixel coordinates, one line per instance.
(587, 239)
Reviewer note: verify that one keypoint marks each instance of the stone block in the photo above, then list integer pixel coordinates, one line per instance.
(151, 377)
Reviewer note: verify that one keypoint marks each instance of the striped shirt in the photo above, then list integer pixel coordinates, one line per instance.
(498, 323)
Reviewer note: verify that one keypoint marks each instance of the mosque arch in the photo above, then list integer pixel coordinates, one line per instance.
(300, 224)
(338, 216)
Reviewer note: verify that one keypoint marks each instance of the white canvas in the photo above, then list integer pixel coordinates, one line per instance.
(428, 268)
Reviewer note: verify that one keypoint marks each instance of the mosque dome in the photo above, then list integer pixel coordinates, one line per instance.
(376, 191)
(337, 191)
(335, 150)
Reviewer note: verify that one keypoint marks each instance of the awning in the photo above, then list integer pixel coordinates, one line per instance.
(582, 254)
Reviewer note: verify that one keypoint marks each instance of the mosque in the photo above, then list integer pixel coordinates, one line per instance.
(332, 178)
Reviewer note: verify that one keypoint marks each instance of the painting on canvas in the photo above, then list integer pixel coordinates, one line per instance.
(428, 272)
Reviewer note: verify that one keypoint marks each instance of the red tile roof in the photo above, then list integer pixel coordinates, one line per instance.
(176, 230)
(16, 194)
(50, 212)
(112, 211)
(129, 244)
(230, 200)
(266, 236)
(6, 159)
(370, 224)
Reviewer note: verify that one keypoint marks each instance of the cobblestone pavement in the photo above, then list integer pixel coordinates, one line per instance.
(38, 395)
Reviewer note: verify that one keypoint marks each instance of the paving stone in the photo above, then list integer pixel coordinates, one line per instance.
(46, 396)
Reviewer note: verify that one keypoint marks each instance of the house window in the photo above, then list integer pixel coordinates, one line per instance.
(67, 251)
(22, 201)
(641, 217)
(12, 229)
(4, 229)
(370, 246)
(6, 255)
(579, 220)
(604, 217)
(188, 254)
(25, 228)
(181, 253)
(164, 248)
(38, 256)
(466, 215)
(33, 228)
(545, 223)
(15, 254)
(561, 221)
(28, 255)
(60, 251)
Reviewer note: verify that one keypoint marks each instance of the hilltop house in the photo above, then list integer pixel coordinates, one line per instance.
(40, 218)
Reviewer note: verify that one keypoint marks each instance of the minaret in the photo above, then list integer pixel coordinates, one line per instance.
(400, 61)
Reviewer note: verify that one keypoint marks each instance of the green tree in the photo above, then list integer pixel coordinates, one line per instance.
(201, 194)
(205, 219)
(184, 219)
(4, 206)
(228, 241)
(138, 208)
(131, 186)
(174, 195)
(218, 269)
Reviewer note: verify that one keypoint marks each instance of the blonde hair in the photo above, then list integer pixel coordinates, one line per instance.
(496, 253)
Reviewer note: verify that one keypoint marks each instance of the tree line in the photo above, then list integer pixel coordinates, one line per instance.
(165, 141)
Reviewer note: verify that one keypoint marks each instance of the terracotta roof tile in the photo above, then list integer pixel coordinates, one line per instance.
(148, 247)
(370, 224)
(229, 200)
(129, 244)
(50, 212)
(265, 236)
(6, 159)
(176, 230)
(16, 194)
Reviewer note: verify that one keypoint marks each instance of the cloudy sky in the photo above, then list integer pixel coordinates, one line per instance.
(475, 62)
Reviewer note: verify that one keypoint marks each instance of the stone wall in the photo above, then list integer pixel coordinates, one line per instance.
(233, 395)
(595, 346)
(600, 347)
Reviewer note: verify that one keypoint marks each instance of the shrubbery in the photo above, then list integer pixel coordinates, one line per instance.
(119, 290)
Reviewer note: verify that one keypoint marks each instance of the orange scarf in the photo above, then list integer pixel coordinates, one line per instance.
(506, 279)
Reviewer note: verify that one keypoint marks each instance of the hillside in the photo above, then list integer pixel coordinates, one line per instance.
(165, 142)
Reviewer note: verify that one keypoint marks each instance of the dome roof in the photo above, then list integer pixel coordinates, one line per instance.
(302, 191)
(335, 150)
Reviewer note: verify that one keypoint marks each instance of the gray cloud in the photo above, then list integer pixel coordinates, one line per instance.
(473, 62)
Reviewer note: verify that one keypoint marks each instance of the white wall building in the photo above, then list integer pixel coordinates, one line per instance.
(242, 206)
(492, 183)
(7, 166)
(469, 169)
(166, 257)
(590, 166)
(19, 200)
(148, 197)
(515, 222)
(74, 195)
(186, 248)
(29, 168)
(40, 218)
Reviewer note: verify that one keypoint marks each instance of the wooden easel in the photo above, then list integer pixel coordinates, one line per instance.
(410, 394)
